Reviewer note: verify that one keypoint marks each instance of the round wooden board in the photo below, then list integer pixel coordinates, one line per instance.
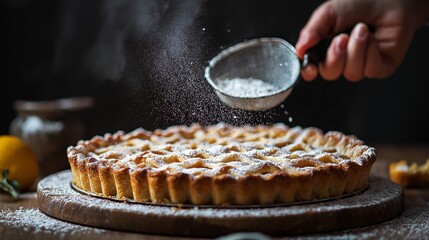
(383, 200)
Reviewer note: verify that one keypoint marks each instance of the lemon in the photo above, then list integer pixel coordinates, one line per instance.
(19, 159)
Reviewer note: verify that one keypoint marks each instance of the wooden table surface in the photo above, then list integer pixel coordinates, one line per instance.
(22, 220)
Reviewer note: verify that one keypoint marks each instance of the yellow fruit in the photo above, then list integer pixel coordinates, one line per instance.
(19, 159)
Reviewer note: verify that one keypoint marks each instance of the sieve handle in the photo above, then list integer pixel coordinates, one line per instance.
(317, 54)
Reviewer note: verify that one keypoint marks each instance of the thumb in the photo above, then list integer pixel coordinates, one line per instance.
(320, 25)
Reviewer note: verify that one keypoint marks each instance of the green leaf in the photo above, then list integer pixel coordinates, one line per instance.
(10, 186)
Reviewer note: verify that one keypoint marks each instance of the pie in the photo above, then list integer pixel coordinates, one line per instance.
(222, 165)
(411, 175)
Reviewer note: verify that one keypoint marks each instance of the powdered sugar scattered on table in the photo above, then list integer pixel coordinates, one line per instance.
(33, 224)
(43, 222)
(246, 87)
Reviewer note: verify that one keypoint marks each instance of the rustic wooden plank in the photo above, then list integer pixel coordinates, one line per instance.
(26, 200)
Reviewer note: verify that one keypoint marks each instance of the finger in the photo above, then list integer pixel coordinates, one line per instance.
(333, 66)
(318, 27)
(356, 53)
(377, 66)
(309, 73)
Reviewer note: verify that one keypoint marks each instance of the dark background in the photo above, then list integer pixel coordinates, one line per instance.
(143, 63)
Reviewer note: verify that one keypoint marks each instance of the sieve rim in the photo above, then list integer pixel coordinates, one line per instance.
(242, 45)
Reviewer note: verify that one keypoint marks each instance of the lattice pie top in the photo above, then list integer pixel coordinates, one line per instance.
(223, 151)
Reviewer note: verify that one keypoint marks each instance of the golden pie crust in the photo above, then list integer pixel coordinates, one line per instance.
(222, 164)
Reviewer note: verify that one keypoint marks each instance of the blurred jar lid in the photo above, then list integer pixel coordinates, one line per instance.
(62, 104)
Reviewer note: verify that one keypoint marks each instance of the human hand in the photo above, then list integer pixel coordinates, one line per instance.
(362, 53)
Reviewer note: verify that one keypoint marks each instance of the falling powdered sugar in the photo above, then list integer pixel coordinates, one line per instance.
(246, 87)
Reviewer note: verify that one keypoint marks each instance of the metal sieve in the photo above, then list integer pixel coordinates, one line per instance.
(272, 60)
(269, 59)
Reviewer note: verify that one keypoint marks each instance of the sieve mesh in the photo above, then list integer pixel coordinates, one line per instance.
(269, 59)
